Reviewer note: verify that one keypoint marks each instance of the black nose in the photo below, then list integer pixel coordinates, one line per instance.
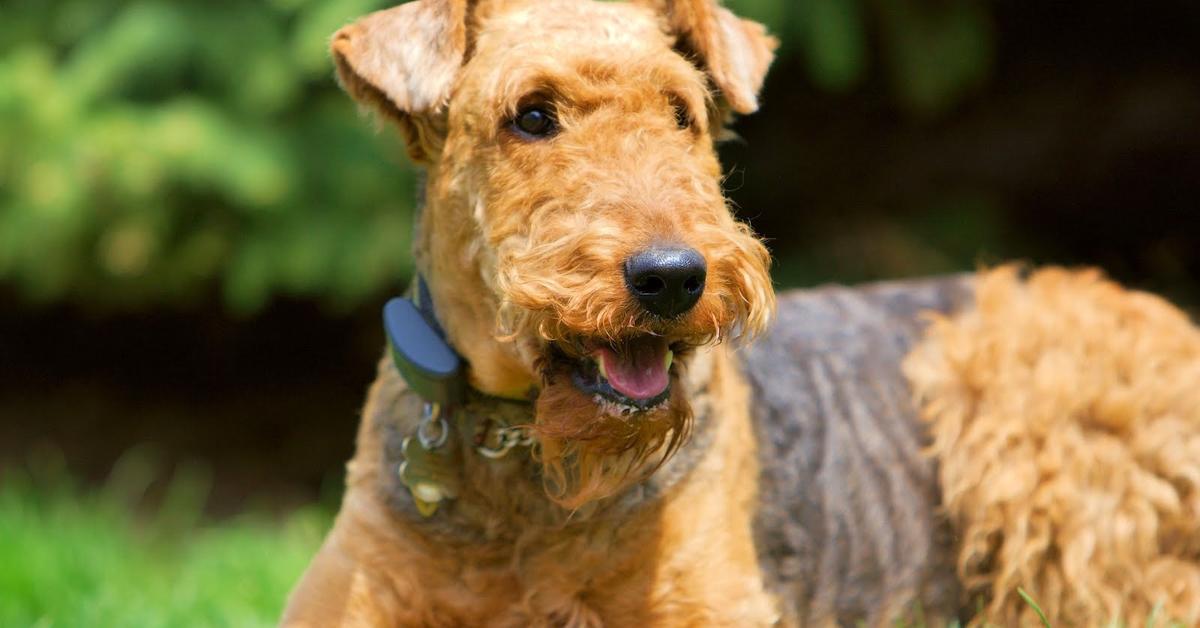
(667, 281)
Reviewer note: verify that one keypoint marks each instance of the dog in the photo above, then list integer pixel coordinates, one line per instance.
(595, 412)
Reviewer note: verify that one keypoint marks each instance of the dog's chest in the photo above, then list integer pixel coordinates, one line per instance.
(604, 576)
(675, 549)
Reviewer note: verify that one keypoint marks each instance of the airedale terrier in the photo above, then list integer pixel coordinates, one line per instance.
(571, 427)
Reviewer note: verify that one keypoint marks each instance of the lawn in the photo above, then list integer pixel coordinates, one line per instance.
(99, 557)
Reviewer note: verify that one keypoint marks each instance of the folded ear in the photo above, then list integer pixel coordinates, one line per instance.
(736, 52)
(402, 62)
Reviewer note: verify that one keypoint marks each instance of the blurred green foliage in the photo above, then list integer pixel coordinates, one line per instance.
(148, 148)
(930, 52)
(162, 151)
(73, 558)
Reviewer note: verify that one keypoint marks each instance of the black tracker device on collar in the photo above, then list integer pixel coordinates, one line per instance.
(417, 344)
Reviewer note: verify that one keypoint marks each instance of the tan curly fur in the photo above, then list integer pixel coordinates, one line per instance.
(1065, 416)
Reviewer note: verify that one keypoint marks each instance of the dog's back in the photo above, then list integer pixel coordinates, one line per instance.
(848, 526)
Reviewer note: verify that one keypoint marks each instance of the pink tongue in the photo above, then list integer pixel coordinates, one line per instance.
(637, 369)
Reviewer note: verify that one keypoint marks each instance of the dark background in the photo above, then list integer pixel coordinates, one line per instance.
(195, 244)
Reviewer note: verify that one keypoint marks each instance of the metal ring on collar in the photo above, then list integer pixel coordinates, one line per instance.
(431, 415)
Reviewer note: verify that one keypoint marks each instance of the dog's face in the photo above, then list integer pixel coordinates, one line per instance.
(575, 198)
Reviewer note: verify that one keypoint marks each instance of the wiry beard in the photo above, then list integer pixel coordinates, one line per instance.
(589, 450)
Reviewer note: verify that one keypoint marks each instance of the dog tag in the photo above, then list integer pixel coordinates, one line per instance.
(430, 475)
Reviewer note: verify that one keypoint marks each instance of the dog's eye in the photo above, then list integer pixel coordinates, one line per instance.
(683, 115)
(682, 118)
(534, 122)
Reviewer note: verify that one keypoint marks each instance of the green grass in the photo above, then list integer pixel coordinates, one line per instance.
(1034, 605)
(75, 558)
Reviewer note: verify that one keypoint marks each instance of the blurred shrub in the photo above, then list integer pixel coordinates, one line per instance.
(153, 151)
(931, 52)
(148, 148)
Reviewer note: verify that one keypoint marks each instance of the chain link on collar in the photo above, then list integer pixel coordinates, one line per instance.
(506, 437)
(497, 426)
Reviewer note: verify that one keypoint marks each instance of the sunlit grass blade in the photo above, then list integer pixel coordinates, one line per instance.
(1037, 609)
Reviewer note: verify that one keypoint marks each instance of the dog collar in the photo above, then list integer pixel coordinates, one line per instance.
(434, 371)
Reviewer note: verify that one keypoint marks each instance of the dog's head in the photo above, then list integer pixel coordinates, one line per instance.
(576, 236)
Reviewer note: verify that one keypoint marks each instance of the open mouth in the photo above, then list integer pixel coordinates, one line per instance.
(633, 375)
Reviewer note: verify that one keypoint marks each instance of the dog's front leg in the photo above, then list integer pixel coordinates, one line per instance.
(363, 574)
(339, 588)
